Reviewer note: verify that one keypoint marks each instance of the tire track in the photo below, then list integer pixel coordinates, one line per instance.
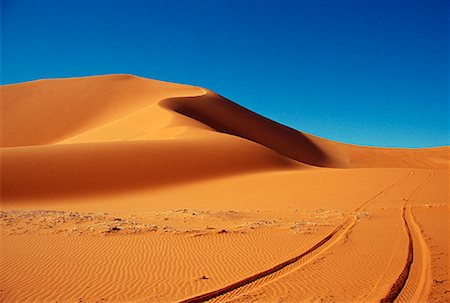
(276, 271)
(400, 284)
(401, 280)
(409, 175)
(216, 293)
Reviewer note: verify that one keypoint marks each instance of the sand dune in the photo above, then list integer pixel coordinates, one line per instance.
(147, 191)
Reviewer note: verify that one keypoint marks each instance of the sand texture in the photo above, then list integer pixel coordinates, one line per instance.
(124, 189)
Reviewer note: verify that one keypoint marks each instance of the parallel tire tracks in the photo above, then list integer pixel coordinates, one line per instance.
(410, 226)
(290, 265)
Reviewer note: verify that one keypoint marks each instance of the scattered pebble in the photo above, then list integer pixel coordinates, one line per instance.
(16, 222)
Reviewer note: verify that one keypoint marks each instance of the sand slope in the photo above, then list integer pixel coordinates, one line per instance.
(142, 190)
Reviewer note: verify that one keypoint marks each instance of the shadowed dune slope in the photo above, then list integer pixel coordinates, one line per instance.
(112, 133)
(228, 117)
(80, 169)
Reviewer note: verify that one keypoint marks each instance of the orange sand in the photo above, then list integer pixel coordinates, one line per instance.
(124, 189)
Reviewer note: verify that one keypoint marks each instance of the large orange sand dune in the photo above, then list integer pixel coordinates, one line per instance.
(124, 189)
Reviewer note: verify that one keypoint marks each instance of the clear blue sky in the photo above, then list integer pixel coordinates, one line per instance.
(364, 72)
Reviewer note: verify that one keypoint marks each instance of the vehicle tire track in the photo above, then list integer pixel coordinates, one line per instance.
(286, 267)
(400, 284)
